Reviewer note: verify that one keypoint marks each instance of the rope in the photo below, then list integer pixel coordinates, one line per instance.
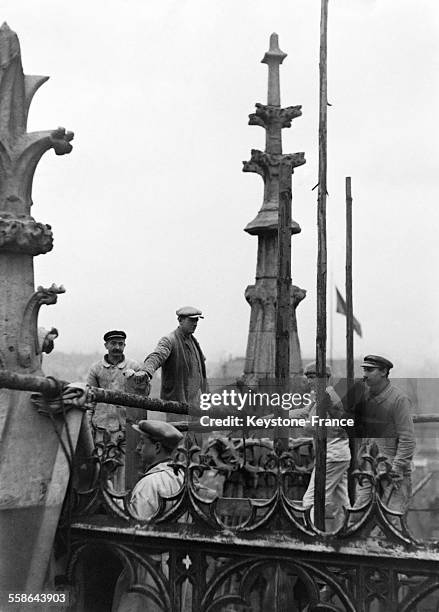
(52, 408)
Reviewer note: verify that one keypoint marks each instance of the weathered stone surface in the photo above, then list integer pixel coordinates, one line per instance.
(20, 151)
(24, 235)
(260, 355)
(29, 350)
(34, 471)
(273, 58)
(267, 115)
(267, 165)
(21, 236)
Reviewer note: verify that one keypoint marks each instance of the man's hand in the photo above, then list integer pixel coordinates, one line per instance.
(129, 373)
(141, 377)
(75, 394)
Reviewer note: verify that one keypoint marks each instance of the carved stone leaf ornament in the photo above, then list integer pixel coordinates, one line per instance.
(21, 236)
(20, 152)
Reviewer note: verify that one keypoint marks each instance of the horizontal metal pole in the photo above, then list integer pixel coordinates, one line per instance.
(426, 418)
(27, 382)
(50, 387)
(130, 400)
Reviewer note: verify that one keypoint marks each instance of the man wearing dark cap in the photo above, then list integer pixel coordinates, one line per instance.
(114, 372)
(388, 425)
(181, 359)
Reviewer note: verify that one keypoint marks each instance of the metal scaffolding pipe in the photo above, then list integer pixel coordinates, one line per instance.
(50, 387)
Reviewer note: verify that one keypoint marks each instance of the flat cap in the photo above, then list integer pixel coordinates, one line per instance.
(114, 333)
(311, 368)
(189, 311)
(160, 431)
(46, 338)
(375, 361)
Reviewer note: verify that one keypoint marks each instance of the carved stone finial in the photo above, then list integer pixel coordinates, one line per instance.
(21, 151)
(21, 236)
(273, 58)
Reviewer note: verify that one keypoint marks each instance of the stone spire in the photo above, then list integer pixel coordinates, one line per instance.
(21, 236)
(262, 295)
(33, 469)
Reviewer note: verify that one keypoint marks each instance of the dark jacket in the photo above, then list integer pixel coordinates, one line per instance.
(170, 355)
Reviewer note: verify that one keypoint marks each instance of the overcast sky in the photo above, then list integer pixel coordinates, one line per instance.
(148, 210)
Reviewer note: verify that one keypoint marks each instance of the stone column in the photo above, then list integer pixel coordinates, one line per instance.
(260, 355)
(33, 470)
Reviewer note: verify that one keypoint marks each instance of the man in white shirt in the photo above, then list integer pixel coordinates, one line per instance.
(157, 441)
(338, 455)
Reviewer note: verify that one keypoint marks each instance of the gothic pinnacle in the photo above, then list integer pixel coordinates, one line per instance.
(273, 58)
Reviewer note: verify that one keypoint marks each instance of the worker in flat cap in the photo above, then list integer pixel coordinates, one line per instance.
(389, 431)
(338, 455)
(115, 372)
(181, 359)
(157, 441)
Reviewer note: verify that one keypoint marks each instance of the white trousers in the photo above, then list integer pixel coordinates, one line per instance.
(336, 493)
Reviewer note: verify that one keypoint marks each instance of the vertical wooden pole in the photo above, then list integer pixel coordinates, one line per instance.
(349, 303)
(350, 330)
(283, 309)
(320, 469)
(131, 441)
(331, 318)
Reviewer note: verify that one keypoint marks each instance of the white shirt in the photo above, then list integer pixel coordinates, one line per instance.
(159, 481)
(337, 442)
